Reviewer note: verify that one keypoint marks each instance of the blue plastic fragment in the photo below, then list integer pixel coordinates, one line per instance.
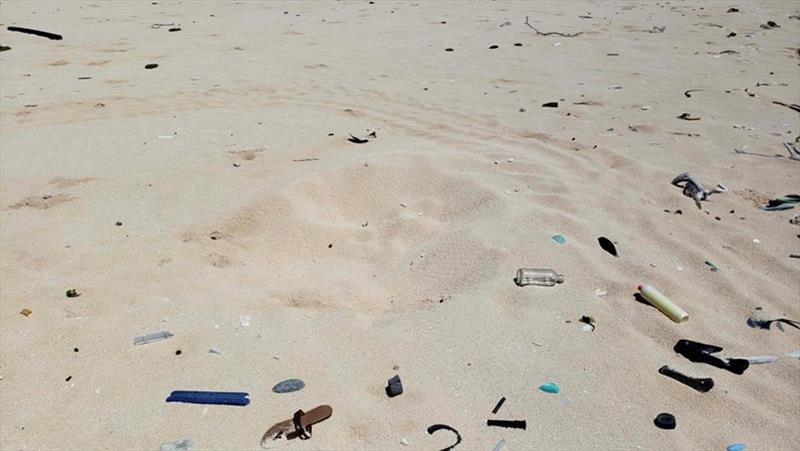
(288, 386)
(559, 239)
(210, 397)
(549, 388)
(736, 447)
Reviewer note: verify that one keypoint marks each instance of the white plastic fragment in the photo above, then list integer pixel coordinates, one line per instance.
(152, 337)
(244, 320)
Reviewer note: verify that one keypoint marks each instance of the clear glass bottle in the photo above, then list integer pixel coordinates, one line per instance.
(539, 277)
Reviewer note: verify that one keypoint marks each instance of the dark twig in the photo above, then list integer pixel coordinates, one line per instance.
(551, 33)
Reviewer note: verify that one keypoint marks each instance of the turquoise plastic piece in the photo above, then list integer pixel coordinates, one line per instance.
(559, 239)
(736, 447)
(549, 388)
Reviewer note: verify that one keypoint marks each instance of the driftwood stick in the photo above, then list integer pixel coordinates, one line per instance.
(551, 33)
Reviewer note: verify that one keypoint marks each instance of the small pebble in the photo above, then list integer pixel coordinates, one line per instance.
(288, 386)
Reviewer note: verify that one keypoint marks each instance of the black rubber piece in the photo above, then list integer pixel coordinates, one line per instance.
(700, 384)
(665, 421)
(395, 387)
(701, 353)
(44, 34)
(499, 405)
(438, 427)
(607, 246)
(516, 424)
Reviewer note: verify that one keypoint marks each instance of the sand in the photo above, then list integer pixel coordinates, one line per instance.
(229, 169)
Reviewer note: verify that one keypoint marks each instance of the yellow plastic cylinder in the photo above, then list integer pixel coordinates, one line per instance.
(661, 302)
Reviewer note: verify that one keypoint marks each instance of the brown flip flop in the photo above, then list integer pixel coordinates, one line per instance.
(299, 426)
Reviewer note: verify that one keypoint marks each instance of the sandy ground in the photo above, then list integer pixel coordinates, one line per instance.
(400, 252)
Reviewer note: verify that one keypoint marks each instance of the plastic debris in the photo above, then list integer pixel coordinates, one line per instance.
(701, 353)
(761, 359)
(665, 421)
(736, 447)
(786, 202)
(559, 239)
(588, 322)
(178, 445)
(25, 312)
(499, 405)
(299, 426)
(757, 322)
(216, 351)
(395, 387)
(152, 337)
(600, 293)
(607, 246)
(210, 397)
(73, 293)
(549, 387)
(661, 302)
(151, 66)
(693, 189)
(700, 384)
(44, 34)
(514, 424)
(355, 140)
(499, 445)
(439, 427)
(244, 320)
(712, 266)
(288, 386)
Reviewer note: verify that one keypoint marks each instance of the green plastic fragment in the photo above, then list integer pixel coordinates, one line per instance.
(549, 387)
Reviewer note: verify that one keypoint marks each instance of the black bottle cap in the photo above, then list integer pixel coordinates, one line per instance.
(665, 421)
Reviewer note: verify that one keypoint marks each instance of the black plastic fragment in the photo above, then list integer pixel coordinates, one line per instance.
(701, 353)
(607, 246)
(44, 34)
(515, 424)
(438, 427)
(700, 384)
(499, 405)
(355, 140)
(395, 387)
(665, 421)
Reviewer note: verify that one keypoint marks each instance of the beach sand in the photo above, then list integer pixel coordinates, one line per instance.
(238, 193)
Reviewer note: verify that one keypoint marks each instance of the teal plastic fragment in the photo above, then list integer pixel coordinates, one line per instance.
(559, 239)
(711, 265)
(549, 388)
